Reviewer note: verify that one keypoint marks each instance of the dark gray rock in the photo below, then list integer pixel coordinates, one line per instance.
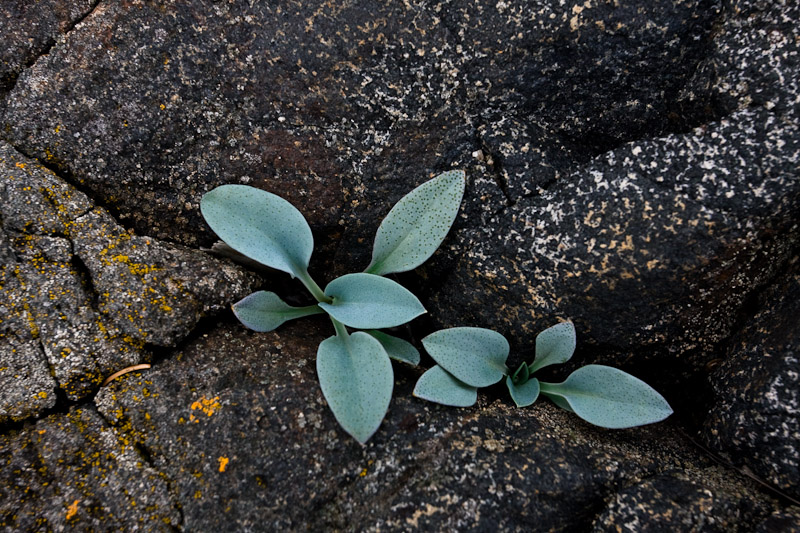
(633, 167)
(787, 521)
(85, 293)
(651, 249)
(237, 422)
(755, 418)
(29, 29)
(677, 502)
(73, 472)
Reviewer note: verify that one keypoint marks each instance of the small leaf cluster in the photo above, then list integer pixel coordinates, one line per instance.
(469, 358)
(354, 368)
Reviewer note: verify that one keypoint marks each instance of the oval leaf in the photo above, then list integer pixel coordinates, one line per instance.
(398, 349)
(609, 397)
(417, 224)
(437, 385)
(356, 378)
(365, 301)
(525, 394)
(554, 345)
(260, 225)
(265, 311)
(476, 356)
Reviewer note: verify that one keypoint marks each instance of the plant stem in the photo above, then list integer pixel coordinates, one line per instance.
(312, 287)
(341, 331)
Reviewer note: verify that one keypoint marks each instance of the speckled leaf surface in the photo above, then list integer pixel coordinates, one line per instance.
(417, 224)
(554, 345)
(260, 225)
(439, 386)
(609, 397)
(366, 301)
(356, 378)
(476, 356)
(265, 311)
(398, 349)
(524, 394)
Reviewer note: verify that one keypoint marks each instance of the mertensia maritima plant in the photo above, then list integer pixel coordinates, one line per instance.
(354, 365)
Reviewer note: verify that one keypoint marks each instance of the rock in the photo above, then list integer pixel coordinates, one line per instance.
(237, 418)
(651, 249)
(675, 502)
(74, 472)
(787, 521)
(86, 294)
(30, 29)
(755, 418)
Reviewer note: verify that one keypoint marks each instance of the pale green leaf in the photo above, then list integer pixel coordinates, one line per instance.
(609, 397)
(554, 345)
(437, 385)
(260, 225)
(366, 301)
(476, 356)
(417, 224)
(265, 311)
(524, 394)
(398, 349)
(356, 378)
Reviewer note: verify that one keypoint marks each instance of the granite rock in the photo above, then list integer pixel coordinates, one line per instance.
(84, 293)
(72, 472)
(755, 418)
(237, 422)
(674, 501)
(30, 29)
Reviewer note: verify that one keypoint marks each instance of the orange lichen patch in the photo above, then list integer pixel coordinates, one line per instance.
(21, 165)
(223, 462)
(124, 371)
(72, 510)
(208, 406)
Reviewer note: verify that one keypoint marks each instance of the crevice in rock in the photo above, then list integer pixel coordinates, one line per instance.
(742, 473)
(494, 164)
(11, 82)
(61, 407)
(67, 177)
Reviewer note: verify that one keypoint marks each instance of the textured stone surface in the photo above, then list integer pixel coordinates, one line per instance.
(86, 294)
(676, 502)
(633, 167)
(755, 418)
(787, 521)
(29, 29)
(73, 472)
(236, 420)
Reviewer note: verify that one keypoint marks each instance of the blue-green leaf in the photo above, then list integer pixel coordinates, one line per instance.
(609, 397)
(260, 225)
(356, 378)
(554, 345)
(524, 394)
(398, 349)
(437, 385)
(265, 311)
(476, 356)
(417, 224)
(366, 301)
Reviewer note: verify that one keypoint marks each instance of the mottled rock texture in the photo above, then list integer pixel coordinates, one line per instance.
(81, 296)
(634, 167)
(755, 420)
(237, 421)
(29, 29)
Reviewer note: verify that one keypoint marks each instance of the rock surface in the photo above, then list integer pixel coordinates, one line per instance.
(755, 418)
(632, 167)
(29, 29)
(82, 297)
